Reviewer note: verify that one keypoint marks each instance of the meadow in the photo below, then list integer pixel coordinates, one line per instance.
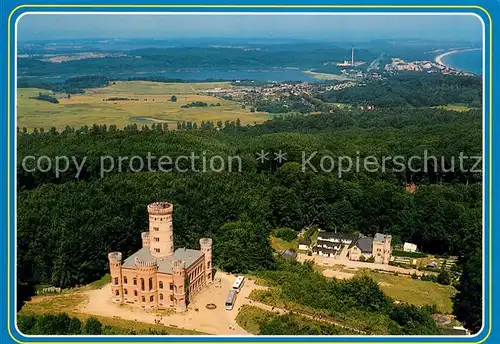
(147, 103)
(415, 292)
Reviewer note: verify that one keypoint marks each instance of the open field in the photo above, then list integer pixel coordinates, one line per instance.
(326, 76)
(152, 105)
(415, 292)
(454, 107)
(398, 287)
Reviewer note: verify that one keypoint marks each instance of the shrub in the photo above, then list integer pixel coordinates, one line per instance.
(397, 253)
(46, 98)
(430, 278)
(285, 233)
(444, 278)
(371, 259)
(93, 326)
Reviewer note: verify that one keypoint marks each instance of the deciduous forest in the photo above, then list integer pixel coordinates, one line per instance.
(67, 225)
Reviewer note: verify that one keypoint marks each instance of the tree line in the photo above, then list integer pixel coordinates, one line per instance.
(63, 324)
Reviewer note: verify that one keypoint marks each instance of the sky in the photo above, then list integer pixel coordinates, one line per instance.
(317, 27)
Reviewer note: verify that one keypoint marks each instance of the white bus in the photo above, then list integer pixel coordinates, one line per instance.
(238, 284)
(231, 298)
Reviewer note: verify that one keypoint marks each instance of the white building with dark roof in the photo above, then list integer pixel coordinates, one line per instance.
(331, 244)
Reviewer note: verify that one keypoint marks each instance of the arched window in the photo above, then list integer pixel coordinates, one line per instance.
(161, 297)
(135, 281)
(151, 298)
(171, 298)
(142, 284)
(125, 279)
(171, 286)
(150, 283)
(143, 299)
(116, 280)
(125, 291)
(161, 284)
(135, 292)
(117, 293)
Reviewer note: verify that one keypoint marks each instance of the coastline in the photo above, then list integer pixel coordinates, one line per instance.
(439, 59)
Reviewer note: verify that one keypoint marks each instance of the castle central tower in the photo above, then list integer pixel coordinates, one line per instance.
(161, 234)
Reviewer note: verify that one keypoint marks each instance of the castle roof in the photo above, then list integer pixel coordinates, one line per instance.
(381, 237)
(365, 244)
(164, 263)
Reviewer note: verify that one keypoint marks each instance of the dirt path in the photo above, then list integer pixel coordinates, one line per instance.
(218, 321)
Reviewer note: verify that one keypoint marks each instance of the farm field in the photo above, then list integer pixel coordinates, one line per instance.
(148, 103)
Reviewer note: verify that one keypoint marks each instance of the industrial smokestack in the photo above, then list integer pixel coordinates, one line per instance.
(352, 56)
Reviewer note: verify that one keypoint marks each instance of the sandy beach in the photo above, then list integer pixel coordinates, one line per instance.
(439, 58)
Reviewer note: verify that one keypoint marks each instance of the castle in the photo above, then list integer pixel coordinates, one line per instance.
(156, 276)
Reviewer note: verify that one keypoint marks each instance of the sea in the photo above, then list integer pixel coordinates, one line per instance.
(466, 61)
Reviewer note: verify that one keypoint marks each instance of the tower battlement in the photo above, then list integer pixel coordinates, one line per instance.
(145, 263)
(160, 208)
(205, 242)
(146, 241)
(115, 257)
(178, 265)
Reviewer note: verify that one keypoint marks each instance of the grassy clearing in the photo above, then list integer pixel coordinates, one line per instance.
(99, 283)
(455, 107)
(139, 327)
(279, 244)
(251, 318)
(152, 105)
(66, 302)
(415, 292)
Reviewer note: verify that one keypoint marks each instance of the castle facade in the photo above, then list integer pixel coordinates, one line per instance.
(156, 276)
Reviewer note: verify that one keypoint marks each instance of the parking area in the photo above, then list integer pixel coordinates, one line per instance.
(198, 317)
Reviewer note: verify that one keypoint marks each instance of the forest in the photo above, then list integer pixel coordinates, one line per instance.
(303, 56)
(67, 225)
(71, 85)
(412, 89)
